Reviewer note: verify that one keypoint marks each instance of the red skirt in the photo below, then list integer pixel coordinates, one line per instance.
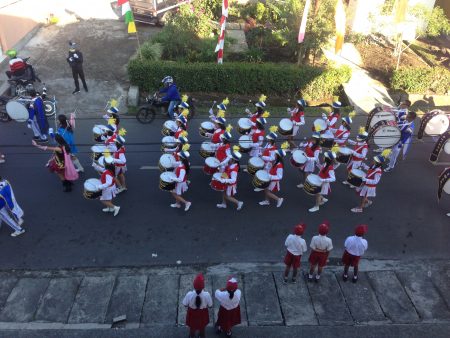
(292, 260)
(349, 259)
(197, 319)
(319, 258)
(226, 319)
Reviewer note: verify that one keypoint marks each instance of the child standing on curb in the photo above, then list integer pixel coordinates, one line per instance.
(295, 246)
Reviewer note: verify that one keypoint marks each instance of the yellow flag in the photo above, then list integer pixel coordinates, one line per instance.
(400, 10)
(340, 26)
(131, 27)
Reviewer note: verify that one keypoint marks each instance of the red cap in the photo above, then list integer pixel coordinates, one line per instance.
(361, 229)
(232, 284)
(199, 282)
(299, 229)
(324, 228)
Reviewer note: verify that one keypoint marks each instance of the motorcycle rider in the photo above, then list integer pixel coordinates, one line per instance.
(17, 66)
(172, 95)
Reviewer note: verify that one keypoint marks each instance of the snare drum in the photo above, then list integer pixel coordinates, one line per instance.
(245, 143)
(167, 181)
(254, 164)
(385, 134)
(313, 184)
(320, 125)
(169, 142)
(207, 149)
(343, 155)
(437, 125)
(285, 127)
(211, 165)
(244, 125)
(166, 162)
(98, 131)
(206, 127)
(261, 179)
(382, 116)
(97, 151)
(298, 158)
(355, 177)
(216, 184)
(91, 191)
(326, 141)
(169, 128)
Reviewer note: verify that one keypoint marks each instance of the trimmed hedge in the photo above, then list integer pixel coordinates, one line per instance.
(241, 78)
(420, 80)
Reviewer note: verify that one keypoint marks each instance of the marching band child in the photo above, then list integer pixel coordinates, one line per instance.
(181, 122)
(297, 116)
(223, 151)
(231, 172)
(343, 132)
(120, 162)
(219, 125)
(327, 176)
(268, 152)
(312, 151)
(257, 135)
(359, 152)
(181, 173)
(295, 248)
(321, 245)
(260, 105)
(108, 185)
(221, 109)
(333, 117)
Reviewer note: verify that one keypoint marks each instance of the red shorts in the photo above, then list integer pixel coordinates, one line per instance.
(226, 319)
(318, 258)
(292, 260)
(349, 259)
(197, 319)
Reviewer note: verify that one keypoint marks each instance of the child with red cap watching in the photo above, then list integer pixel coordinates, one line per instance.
(229, 312)
(197, 302)
(355, 246)
(320, 246)
(295, 246)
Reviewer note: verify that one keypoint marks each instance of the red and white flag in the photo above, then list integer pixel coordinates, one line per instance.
(223, 23)
(301, 31)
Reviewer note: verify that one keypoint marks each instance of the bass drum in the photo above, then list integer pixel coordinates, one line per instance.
(261, 180)
(255, 164)
(385, 134)
(167, 181)
(382, 116)
(437, 125)
(285, 127)
(298, 158)
(90, 189)
(245, 143)
(355, 177)
(313, 184)
(17, 111)
(244, 125)
(166, 162)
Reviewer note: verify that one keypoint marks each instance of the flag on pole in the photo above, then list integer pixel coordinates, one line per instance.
(340, 26)
(128, 15)
(400, 11)
(302, 29)
(223, 23)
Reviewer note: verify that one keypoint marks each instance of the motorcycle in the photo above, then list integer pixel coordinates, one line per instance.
(4, 117)
(153, 105)
(18, 84)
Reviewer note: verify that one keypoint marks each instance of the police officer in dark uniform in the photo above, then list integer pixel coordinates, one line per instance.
(75, 60)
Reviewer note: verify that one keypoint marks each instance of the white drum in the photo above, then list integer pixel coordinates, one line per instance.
(244, 125)
(17, 111)
(97, 151)
(206, 127)
(211, 165)
(261, 180)
(447, 147)
(90, 189)
(319, 125)
(169, 142)
(98, 132)
(255, 164)
(285, 127)
(245, 143)
(207, 149)
(437, 125)
(382, 116)
(169, 128)
(167, 181)
(166, 162)
(343, 155)
(313, 184)
(298, 158)
(447, 187)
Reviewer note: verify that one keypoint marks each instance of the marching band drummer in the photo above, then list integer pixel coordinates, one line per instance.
(260, 105)
(219, 125)
(108, 185)
(112, 113)
(298, 119)
(359, 152)
(181, 122)
(231, 170)
(257, 135)
(181, 173)
(333, 117)
(276, 174)
(373, 176)
(268, 152)
(327, 176)
(110, 136)
(120, 162)
(182, 109)
(221, 109)
(223, 152)
(343, 132)
(312, 151)
(181, 141)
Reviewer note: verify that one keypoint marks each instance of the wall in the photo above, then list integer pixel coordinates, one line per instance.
(445, 4)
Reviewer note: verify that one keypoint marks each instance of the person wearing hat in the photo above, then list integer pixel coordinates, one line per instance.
(112, 113)
(11, 213)
(181, 174)
(219, 129)
(181, 122)
(343, 132)
(65, 129)
(321, 245)
(295, 248)
(359, 152)
(172, 95)
(326, 175)
(197, 302)
(312, 151)
(108, 185)
(257, 135)
(297, 116)
(229, 311)
(37, 120)
(17, 66)
(110, 136)
(75, 60)
(231, 173)
(260, 106)
(355, 246)
(268, 152)
(223, 150)
(180, 142)
(221, 109)
(120, 163)
(276, 174)
(333, 117)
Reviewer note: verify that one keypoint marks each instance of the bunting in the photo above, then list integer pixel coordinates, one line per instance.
(302, 29)
(223, 23)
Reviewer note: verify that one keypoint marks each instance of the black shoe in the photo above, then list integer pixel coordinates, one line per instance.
(76, 91)
(229, 334)
(86, 90)
(42, 141)
(344, 277)
(354, 279)
(36, 138)
(65, 186)
(294, 280)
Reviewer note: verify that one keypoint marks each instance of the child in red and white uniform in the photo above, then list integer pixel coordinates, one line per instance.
(181, 122)
(297, 116)
(229, 311)
(181, 174)
(231, 171)
(343, 132)
(110, 138)
(108, 186)
(359, 152)
(219, 125)
(326, 175)
(333, 117)
(321, 245)
(223, 150)
(276, 174)
(120, 163)
(355, 246)
(257, 135)
(260, 105)
(295, 248)
(312, 150)
(197, 302)
(269, 150)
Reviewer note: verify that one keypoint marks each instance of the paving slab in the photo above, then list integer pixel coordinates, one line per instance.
(263, 307)
(23, 300)
(92, 300)
(425, 297)
(392, 297)
(295, 302)
(441, 280)
(329, 302)
(127, 298)
(219, 282)
(6, 286)
(361, 299)
(185, 286)
(58, 299)
(161, 301)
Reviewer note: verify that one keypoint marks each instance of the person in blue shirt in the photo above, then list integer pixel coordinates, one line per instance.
(171, 95)
(37, 119)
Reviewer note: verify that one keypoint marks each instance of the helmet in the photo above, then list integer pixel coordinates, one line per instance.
(167, 80)
(12, 53)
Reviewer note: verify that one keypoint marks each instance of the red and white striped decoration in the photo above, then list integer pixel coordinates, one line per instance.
(223, 23)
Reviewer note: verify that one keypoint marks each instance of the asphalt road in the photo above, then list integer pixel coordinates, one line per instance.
(66, 230)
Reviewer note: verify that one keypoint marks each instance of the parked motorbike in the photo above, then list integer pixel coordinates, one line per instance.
(18, 84)
(4, 117)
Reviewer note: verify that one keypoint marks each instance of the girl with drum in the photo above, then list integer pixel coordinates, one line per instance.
(341, 135)
(108, 185)
(219, 125)
(298, 119)
(333, 117)
(258, 137)
(112, 113)
(231, 172)
(181, 174)
(276, 174)
(223, 152)
(65, 129)
(111, 134)
(260, 105)
(312, 152)
(268, 152)
(180, 142)
(359, 152)
(181, 122)
(326, 175)
(120, 162)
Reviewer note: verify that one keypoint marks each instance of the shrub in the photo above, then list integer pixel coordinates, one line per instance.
(151, 51)
(326, 84)
(420, 80)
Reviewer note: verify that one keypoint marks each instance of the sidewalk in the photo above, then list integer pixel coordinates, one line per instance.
(389, 299)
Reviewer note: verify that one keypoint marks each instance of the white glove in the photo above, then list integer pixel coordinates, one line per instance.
(70, 59)
(75, 55)
(29, 124)
(324, 116)
(211, 111)
(98, 188)
(247, 110)
(288, 109)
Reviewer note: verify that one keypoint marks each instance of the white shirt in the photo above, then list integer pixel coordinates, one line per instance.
(224, 298)
(189, 299)
(296, 245)
(355, 245)
(320, 242)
